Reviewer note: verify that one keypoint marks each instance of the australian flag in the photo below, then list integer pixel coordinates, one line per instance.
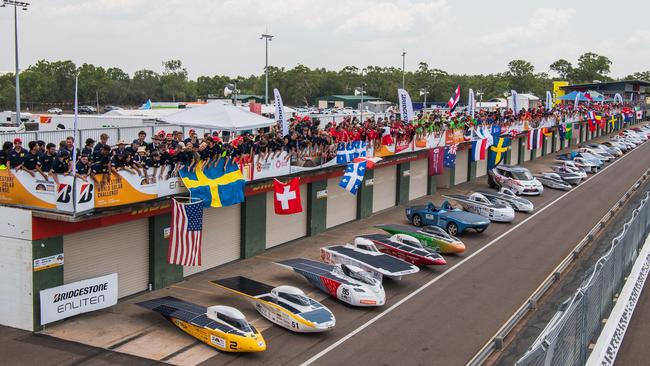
(450, 156)
(353, 176)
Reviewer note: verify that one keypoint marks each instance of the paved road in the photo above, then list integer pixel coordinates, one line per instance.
(635, 350)
(449, 321)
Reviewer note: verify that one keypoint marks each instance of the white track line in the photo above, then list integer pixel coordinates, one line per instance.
(442, 275)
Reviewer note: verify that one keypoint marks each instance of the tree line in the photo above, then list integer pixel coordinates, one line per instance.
(51, 83)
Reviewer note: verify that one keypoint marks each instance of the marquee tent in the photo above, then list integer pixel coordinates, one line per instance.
(218, 115)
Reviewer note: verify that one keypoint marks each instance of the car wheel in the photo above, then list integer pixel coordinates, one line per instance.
(481, 229)
(452, 229)
(417, 220)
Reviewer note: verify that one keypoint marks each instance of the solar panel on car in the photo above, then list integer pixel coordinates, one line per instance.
(312, 270)
(244, 285)
(386, 240)
(385, 262)
(191, 313)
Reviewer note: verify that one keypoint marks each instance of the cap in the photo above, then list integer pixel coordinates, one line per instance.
(18, 140)
(142, 149)
(161, 133)
(121, 142)
(169, 135)
(64, 153)
(192, 131)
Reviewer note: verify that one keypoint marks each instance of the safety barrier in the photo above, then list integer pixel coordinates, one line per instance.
(566, 339)
(496, 342)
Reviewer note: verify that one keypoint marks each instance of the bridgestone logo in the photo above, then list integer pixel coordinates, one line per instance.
(60, 296)
(624, 321)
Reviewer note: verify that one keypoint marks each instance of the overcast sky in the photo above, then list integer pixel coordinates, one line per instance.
(222, 37)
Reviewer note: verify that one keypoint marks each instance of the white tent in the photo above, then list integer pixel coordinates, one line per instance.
(218, 115)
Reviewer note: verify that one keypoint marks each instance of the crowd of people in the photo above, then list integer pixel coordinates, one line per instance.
(164, 154)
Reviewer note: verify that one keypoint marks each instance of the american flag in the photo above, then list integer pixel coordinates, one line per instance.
(186, 234)
(450, 156)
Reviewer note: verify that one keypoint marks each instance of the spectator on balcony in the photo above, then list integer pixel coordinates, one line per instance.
(82, 168)
(102, 165)
(69, 145)
(62, 163)
(30, 161)
(46, 163)
(88, 148)
(103, 141)
(138, 162)
(140, 140)
(7, 146)
(17, 154)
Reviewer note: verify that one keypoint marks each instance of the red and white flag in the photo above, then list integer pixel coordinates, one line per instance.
(535, 138)
(479, 149)
(186, 233)
(370, 162)
(286, 197)
(454, 99)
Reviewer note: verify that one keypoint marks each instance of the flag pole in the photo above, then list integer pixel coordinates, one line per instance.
(74, 147)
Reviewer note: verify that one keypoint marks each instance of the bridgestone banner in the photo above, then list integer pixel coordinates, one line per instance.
(78, 297)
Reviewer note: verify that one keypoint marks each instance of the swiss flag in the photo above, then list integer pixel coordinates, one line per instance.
(286, 197)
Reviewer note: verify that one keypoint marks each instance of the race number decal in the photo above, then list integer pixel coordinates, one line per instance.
(217, 341)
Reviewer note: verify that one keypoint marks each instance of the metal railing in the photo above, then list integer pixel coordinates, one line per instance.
(566, 339)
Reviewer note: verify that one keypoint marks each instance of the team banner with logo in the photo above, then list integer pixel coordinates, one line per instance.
(405, 105)
(436, 160)
(78, 297)
(279, 112)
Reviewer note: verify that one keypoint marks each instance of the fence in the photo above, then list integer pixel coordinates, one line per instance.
(565, 340)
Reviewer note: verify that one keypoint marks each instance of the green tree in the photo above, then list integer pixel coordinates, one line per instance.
(563, 68)
(592, 67)
(174, 81)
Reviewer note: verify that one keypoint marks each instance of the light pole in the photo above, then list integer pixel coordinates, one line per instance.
(266, 37)
(23, 5)
(360, 91)
(403, 66)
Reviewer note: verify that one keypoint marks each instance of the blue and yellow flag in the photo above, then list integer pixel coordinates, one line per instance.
(215, 185)
(497, 152)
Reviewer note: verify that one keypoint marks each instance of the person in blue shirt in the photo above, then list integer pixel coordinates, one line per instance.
(16, 155)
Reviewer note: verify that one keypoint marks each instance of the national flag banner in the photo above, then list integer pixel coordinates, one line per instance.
(286, 197)
(535, 138)
(370, 162)
(348, 151)
(546, 132)
(588, 96)
(405, 105)
(591, 117)
(479, 149)
(186, 232)
(453, 101)
(568, 134)
(497, 152)
(612, 121)
(353, 176)
(216, 186)
(450, 156)
(436, 160)
(600, 120)
(639, 114)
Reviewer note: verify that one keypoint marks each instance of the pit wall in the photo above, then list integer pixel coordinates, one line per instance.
(241, 232)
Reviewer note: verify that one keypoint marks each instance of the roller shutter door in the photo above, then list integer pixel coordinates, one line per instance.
(384, 189)
(341, 204)
(121, 249)
(461, 166)
(481, 168)
(283, 228)
(526, 151)
(549, 142)
(221, 238)
(514, 152)
(418, 179)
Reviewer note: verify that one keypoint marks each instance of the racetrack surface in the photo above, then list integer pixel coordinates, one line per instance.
(449, 321)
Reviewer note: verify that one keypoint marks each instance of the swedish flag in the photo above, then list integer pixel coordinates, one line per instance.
(497, 152)
(215, 185)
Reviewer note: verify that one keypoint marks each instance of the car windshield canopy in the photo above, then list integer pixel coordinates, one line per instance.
(358, 275)
(522, 175)
(240, 324)
(295, 298)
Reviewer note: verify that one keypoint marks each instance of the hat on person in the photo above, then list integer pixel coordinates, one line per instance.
(161, 133)
(64, 154)
(169, 135)
(18, 140)
(141, 149)
(181, 145)
(192, 131)
(121, 142)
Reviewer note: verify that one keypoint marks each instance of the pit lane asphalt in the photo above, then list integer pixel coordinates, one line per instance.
(448, 322)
